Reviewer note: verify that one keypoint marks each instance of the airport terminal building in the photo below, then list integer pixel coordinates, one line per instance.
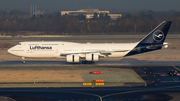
(89, 13)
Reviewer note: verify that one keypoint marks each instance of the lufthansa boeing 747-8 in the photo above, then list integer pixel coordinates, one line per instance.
(90, 52)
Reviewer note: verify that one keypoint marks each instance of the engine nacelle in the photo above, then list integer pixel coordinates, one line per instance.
(92, 57)
(72, 58)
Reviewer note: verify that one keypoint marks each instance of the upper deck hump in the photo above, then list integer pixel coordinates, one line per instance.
(46, 42)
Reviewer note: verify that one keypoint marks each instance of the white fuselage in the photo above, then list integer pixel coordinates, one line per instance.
(41, 49)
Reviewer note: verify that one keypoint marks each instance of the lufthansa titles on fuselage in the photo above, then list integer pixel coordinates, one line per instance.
(40, 47)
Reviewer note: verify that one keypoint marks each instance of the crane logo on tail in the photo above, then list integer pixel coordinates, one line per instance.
(158, 35)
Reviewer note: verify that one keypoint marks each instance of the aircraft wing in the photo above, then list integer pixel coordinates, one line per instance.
(105, 53)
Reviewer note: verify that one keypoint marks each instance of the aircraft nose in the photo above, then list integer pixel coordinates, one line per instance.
(9, 50)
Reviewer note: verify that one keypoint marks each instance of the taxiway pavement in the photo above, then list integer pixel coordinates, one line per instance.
(163, 88)
(122, 62)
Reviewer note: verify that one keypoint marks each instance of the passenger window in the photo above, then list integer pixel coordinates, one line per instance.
(19, 44)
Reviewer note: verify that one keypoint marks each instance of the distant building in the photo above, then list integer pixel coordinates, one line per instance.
(112, 16)
(89, 16)
(89, 13)
(34, 11)
(115, 16)
(83, 11)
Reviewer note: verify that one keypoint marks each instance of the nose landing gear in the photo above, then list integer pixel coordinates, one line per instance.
(23, 60)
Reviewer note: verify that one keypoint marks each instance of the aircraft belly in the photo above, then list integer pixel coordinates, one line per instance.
(118, 54)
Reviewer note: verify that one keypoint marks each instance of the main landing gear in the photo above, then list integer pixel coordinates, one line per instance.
(88, 62)
(23, 60)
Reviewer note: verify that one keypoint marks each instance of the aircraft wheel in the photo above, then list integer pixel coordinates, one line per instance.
(24, 61)
(88, 62)
(84, 62)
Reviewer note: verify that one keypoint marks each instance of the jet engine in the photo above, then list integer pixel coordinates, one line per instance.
(92, 57)
(72, 58)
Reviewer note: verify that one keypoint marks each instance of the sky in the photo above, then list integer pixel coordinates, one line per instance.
(122, 5)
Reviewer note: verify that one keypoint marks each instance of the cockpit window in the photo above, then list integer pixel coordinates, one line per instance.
(19, 44)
